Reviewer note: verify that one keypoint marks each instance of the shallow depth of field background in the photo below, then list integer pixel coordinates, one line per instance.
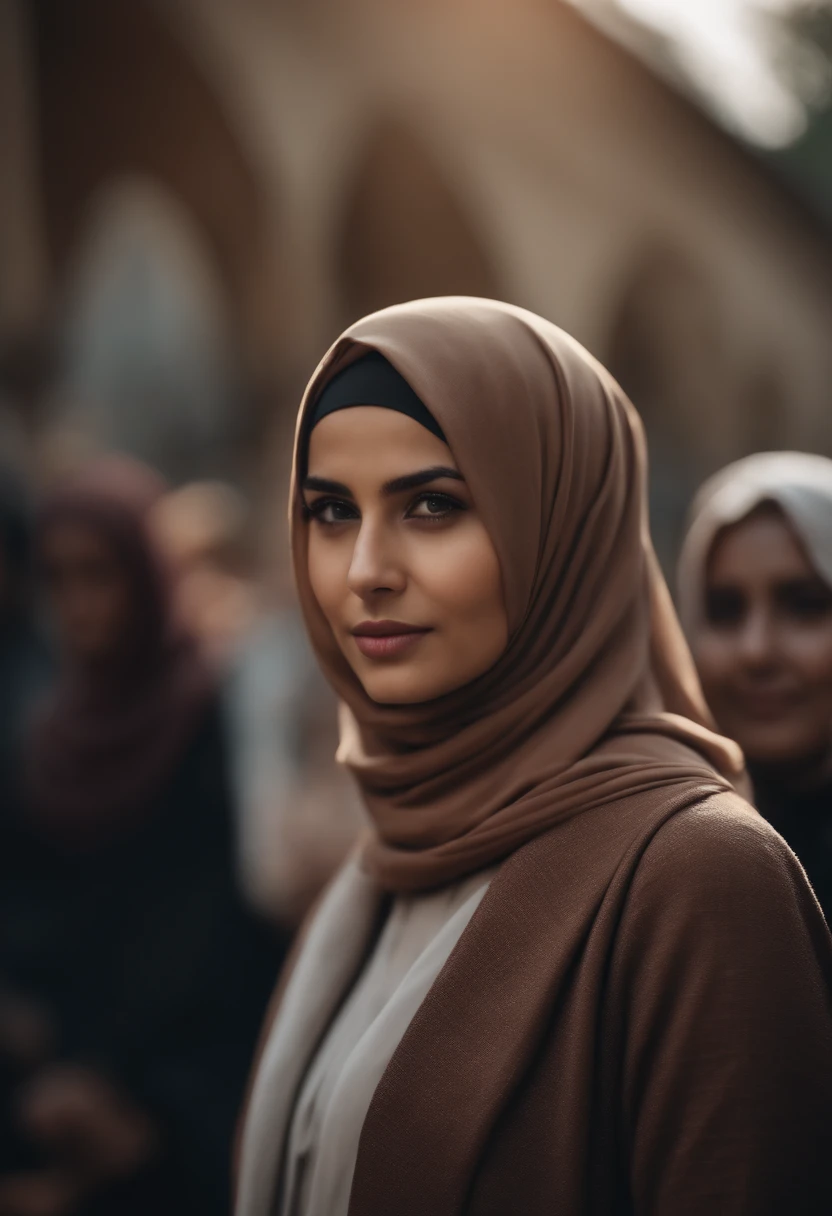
(195, 197)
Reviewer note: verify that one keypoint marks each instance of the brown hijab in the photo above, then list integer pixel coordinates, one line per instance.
(595, 698)
(110, 736)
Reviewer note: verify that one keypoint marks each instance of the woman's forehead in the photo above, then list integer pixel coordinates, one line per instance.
(372, 443)
(763, 545)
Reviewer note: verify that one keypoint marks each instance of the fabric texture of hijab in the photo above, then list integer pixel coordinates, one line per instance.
(111, 735)
(595, 699)
(799, 483)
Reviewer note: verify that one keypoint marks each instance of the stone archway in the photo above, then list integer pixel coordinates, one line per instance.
(404, 233)
(706, 397)
(147, 366)
(119, 94)
(669, 351)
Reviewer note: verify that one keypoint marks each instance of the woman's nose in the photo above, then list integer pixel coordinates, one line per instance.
(376, 564)
(756, 642)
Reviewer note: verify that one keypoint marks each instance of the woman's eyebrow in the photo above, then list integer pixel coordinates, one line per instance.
(327, 487)
(411, 480)
(397, 486)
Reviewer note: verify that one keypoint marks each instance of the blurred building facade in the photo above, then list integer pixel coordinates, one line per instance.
(197, 196)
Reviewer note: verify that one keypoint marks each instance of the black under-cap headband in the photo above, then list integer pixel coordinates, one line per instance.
(372, 380)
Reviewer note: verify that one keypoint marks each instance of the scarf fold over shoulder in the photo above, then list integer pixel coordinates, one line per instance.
(595, 699)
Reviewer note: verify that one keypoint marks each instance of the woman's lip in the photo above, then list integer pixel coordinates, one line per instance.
(388, 645)
(383, 629)
(765, 706)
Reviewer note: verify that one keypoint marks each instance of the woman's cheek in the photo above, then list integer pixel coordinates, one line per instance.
(812, 656)
(461, 578)
(714, 660)
(329, 565)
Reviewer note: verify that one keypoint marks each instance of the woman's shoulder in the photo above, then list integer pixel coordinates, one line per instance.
(720, 839)
(718, 869)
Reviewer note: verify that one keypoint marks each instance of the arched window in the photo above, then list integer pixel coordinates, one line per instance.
(404, 232)
(146, 364)
(669, 353)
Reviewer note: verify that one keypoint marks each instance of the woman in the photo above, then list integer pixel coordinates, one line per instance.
(125, 934)
(756, 597)
(570, 970)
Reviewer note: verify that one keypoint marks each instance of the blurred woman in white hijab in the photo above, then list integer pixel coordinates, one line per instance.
(755, 597)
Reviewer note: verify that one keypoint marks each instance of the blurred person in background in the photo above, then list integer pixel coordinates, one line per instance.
(24, 662)
(203, 529)
(755, 594)
(298, 813)
(145, 975)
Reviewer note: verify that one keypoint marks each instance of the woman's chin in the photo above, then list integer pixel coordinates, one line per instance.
(401, 683)
(398, 688)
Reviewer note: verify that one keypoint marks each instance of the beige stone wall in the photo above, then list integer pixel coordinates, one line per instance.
(22, 256)
(576, 170)
(547, 166)
(506, 147)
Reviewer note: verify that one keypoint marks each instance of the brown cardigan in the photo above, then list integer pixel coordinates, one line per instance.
(636, 1021)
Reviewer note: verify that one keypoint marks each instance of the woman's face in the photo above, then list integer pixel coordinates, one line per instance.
(400, 561)
(765, 649)
(89, 591)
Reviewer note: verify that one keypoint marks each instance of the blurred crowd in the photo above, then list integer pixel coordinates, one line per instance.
(170, 806)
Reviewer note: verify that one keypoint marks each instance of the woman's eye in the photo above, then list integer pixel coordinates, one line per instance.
(806, 601)
(724, 607)
(331, 511)
(434, 506)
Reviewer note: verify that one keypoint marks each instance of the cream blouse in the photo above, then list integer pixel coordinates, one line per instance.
(299, 1155)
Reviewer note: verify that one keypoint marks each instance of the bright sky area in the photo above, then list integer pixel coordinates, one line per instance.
(728, 49)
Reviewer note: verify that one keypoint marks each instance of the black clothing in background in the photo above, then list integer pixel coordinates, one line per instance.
(804, 820)
(25, 666)
(154, 971)
(25, 671)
